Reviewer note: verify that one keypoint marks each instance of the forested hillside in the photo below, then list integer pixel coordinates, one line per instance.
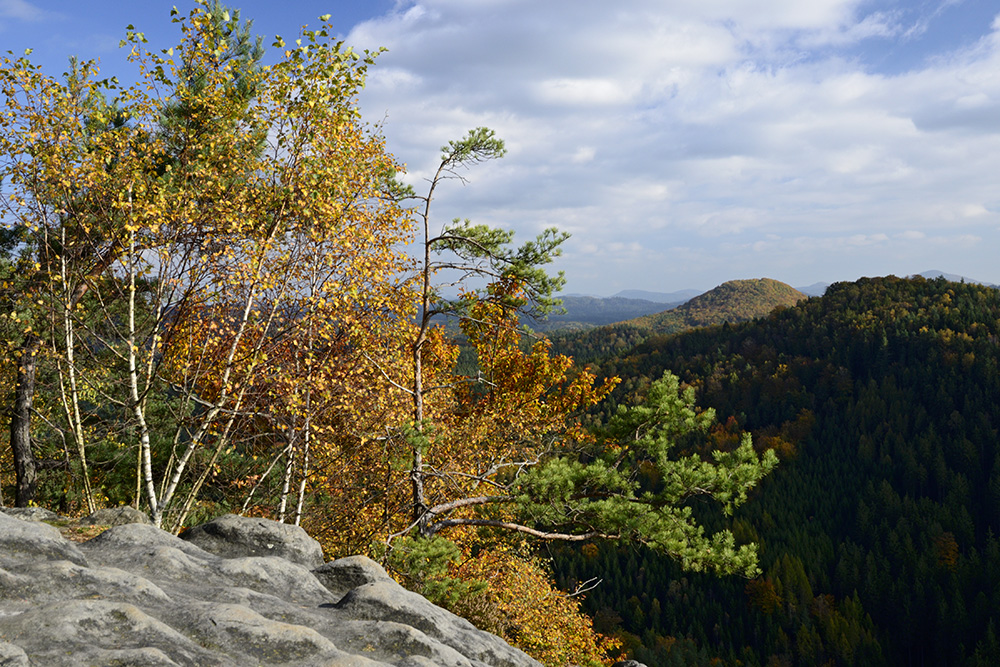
(879, 530)
(732, 301)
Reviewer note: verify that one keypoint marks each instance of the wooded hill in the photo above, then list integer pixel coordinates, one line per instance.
(879, 529)
(733, 301)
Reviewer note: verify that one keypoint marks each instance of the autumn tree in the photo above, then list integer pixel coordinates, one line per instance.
(508, 281)
(502, 449)
(59, 190)
(293, 272)
(71, 153)
(499, 452)
(505, 587)
(250, 241)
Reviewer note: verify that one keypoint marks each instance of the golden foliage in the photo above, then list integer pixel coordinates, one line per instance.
(239, 232)
(517, 599)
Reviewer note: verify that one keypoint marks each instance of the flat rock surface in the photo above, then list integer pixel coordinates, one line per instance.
(116, 516)
(136, 595)
(232, 536)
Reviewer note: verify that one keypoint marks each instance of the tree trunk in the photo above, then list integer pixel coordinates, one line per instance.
(25, 469)
(20, 423)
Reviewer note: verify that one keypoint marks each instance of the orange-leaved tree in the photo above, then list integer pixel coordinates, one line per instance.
(512, 391)
(498, 450)
(239, 237)
(294, 272)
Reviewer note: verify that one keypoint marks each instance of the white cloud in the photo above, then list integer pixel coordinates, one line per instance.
(393, 80)
(583, 92)
(643, 126)
(878, 24)
(584, 154)
(20, 9)
(974, 210)
(867, 239)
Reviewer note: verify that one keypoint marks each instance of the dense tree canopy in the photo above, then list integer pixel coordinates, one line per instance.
(878, 533)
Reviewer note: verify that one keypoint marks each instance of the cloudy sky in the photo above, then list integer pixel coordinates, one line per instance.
(682, 143)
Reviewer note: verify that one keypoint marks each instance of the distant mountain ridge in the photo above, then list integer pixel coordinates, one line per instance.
(677, 297)
(816, 289)
(587, 312)
(952, 277)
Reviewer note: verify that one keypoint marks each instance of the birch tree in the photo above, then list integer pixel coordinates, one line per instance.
(241, 212)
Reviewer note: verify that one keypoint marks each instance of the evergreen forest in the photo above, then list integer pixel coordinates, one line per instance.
(878, 531)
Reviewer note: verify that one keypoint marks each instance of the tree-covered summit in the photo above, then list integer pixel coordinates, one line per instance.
(732, 301)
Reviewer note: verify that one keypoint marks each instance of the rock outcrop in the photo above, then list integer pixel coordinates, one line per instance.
(232, 536)
(136, 595)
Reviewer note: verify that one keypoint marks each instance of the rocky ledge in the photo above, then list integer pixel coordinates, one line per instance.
(236, 591)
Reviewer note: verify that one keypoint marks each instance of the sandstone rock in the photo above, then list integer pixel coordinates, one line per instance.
(388, 601)
(275, 576)
(13, 656)
(30, 513)
(341, 575)
(25, 542)
(151, 553)
(136, 595)
(120, 540)
(255, 639)
(50, 581)
(232, 536)
(61, 632)
(402, 645)
(116, 516)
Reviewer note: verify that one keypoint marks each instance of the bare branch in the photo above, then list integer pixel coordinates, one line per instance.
(507, 525)
(444, 508)
(386, 375)
(584, 587)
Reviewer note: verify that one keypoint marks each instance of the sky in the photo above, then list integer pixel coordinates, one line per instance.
(682, 144)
